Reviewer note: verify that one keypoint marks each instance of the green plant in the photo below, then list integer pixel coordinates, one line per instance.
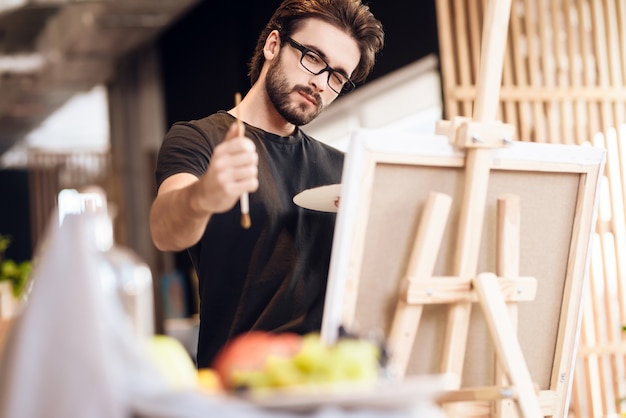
(15, 273)
(5, 241)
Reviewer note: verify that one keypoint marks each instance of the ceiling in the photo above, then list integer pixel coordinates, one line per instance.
(53, 49)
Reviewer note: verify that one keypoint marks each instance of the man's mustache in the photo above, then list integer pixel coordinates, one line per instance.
(309, 92)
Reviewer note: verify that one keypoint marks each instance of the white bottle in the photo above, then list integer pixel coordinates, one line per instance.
(123, 272)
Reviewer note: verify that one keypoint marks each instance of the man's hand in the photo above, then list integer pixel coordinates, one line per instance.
(233, 170)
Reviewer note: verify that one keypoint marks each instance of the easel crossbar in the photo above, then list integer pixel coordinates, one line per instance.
(448, 289)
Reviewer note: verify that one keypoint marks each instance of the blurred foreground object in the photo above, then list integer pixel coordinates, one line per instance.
(260, 360)
(123, 271)
(173, 361)
(209, 381)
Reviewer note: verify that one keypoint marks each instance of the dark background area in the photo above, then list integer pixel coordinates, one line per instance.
(15, 214)
(204, 55)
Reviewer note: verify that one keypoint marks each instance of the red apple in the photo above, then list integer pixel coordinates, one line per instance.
(250, 351)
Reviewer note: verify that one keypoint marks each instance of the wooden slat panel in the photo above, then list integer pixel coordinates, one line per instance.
(613, 56)
(531, 17)
(49, 173)
(447, 55)
(576, 43)
(464, 65)
(517, 46)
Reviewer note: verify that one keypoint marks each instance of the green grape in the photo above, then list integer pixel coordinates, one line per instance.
(283, 372)
(250, 379)
(357, 359)
(314, 359)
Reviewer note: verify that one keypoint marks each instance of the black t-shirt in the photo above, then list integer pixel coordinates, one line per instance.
(272, 276)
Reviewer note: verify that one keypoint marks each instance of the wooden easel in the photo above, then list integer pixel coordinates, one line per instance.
(478, 136)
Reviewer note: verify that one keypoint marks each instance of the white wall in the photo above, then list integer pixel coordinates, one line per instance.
(407, 100)
(81, 124)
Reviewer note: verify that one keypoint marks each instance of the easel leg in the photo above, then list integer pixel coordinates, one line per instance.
(506, 344)
(507, 265)
(421, 265)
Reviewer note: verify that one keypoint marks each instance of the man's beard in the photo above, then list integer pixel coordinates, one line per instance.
(278, 92)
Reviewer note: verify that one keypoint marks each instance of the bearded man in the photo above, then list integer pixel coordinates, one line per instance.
(271, 276)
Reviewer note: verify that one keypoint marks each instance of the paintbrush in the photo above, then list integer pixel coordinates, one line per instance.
(243, 200)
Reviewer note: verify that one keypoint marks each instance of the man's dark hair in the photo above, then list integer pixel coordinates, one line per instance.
(351, 16)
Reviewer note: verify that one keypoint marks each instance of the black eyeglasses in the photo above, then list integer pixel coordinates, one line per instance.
(315, 64)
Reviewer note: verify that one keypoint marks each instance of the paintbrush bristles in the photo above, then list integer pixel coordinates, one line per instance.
(246, 223)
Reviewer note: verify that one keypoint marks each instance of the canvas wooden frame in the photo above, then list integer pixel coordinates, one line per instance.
(386, 181)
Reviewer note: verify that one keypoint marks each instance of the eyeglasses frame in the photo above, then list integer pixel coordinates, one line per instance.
(347, 86)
